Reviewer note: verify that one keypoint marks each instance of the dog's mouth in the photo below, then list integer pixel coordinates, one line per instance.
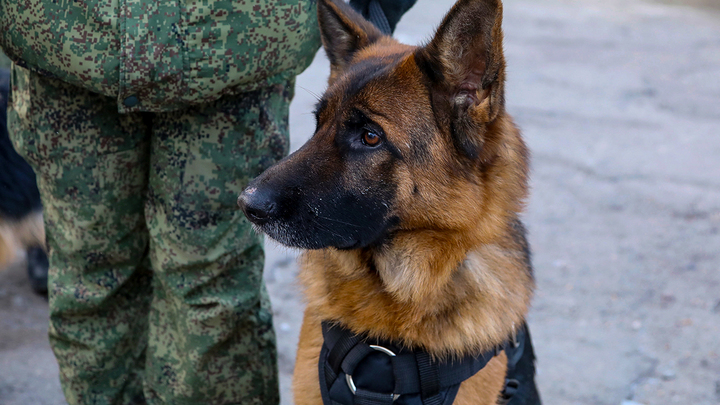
(313, 232)
(295, 223)
(316, 238)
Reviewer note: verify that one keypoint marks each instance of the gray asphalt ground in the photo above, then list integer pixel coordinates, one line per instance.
(619, 101)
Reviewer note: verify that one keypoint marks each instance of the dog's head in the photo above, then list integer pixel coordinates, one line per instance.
(407, 137)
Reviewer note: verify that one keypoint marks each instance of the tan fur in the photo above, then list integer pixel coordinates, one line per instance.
(16, 236)
(306, 383)
(483, 387)
(7, 246)
(449, 302)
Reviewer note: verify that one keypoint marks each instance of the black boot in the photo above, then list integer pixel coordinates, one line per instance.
(37, 265)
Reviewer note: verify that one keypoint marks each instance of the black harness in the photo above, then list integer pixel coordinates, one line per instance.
(355, 370)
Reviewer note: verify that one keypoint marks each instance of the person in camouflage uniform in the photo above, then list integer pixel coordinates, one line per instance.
(144, 120)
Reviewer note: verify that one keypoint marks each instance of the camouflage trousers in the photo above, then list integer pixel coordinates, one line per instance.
(156, 290)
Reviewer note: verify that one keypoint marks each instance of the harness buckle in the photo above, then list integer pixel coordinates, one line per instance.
(351, 383)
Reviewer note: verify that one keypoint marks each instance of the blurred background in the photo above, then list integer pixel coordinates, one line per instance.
(619, 101)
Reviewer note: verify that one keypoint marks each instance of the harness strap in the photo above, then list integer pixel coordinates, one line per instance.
(357, 371)
(516, 353)
(364, 397)
(429, 379)
(376, 15)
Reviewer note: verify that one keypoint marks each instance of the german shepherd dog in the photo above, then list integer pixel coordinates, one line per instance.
(407, 199)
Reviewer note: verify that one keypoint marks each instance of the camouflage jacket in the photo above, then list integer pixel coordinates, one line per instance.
(161, 55)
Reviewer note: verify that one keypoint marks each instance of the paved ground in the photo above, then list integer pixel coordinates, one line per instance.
(619, 101)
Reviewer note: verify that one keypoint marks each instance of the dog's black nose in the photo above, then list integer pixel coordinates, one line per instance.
(258, 205)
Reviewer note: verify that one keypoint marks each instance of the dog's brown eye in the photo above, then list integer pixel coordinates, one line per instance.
(370, 138)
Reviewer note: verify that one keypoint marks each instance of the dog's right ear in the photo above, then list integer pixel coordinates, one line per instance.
(343, 32)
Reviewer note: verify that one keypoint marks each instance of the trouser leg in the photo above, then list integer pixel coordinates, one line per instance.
(91, 166)
(211, 336)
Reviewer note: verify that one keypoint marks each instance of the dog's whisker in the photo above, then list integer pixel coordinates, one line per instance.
(327, 228)
(317, 96)
(341, 222)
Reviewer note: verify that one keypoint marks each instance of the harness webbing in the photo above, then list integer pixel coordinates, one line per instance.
(355, 370)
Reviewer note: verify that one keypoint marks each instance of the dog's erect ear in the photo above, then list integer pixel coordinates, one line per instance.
(343, 32)
(465, 63)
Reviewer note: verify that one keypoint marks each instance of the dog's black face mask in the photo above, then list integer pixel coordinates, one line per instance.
(336, 191)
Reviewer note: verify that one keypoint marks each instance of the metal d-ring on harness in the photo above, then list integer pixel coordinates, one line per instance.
(351, 382)
(354, 370)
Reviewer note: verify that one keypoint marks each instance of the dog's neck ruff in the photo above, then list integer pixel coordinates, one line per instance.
(355, 370)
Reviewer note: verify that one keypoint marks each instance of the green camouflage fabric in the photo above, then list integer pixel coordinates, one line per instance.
(156, 290)
(157, 56)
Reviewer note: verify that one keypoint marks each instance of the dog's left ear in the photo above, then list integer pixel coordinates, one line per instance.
(343, 32)
(465, 64)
